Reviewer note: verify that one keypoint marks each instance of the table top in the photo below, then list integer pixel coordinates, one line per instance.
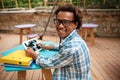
(89, 25)
(46, 53)
(25, 25)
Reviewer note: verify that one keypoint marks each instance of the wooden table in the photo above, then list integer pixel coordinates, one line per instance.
(88, 27)
(46, 73)
(26, 27)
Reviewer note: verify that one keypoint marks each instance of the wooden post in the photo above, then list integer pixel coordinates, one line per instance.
(45, 4)
(104, 1)
(63, 2)
(84, 3)
(2, 4)
(71, 1)
(21, 75)
(16, 3)
(29, 3)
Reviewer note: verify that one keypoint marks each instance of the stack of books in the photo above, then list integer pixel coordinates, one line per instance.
(17, 58)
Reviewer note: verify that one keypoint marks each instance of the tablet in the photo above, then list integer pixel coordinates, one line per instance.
(33, 43)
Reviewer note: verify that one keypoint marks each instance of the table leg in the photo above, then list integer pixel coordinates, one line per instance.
(21, 75)
(47, 74)
(85, 32)
(80, 32)
(21, 33)
(29, 31)
(91, 30)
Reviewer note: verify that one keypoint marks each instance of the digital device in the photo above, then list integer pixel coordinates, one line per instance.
(33, 43)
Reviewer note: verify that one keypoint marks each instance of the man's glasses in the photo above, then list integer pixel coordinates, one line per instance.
(65, 23)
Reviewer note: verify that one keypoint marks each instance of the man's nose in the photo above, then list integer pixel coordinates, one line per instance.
(61, 25)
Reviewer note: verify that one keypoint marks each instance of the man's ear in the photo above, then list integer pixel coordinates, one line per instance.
(76, 24)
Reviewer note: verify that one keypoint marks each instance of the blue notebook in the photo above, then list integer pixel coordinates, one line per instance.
(17, 66)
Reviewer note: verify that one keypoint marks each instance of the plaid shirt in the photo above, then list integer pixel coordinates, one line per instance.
(72, 62)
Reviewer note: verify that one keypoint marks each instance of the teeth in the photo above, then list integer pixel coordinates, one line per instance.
(62, 31)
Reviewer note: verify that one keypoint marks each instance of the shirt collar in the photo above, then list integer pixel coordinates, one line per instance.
(68, 37)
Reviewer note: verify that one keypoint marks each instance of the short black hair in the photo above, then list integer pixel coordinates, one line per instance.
(75, 10)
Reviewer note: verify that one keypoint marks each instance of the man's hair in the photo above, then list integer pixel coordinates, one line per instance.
(74, 10)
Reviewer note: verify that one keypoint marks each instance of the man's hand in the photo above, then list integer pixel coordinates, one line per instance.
(47, 47)
(29, 52)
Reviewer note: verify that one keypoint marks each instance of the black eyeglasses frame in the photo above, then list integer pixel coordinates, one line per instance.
(65, 23)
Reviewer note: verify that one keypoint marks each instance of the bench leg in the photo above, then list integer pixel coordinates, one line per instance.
(21, 75)
(92, 35)
(47, 74)
(21, 34)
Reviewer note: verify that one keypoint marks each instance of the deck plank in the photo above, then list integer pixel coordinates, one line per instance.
(99, 66)
(37, 75)
(104, 56)
(9, 76)
(105, 65)
(3, 75)
(110, 61)
(29, 74)
(14, 76)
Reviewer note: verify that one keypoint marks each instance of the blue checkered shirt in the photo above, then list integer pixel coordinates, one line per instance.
(72, 62)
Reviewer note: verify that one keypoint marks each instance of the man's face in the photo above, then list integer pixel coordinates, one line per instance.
(64, 23)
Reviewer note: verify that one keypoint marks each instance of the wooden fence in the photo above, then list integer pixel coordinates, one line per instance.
(29, 4)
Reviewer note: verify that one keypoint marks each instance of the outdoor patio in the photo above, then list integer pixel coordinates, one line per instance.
(105, 57)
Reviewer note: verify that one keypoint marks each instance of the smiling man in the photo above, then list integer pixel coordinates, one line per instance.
(72, 62)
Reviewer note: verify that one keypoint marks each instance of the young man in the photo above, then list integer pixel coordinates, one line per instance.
(72, 62)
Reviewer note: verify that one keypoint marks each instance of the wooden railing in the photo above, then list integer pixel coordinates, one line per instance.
(44, 3)
(30, 3)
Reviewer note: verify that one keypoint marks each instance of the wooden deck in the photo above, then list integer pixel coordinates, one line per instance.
(105, 58)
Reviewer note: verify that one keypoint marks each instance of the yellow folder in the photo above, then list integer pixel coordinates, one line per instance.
(18, 57)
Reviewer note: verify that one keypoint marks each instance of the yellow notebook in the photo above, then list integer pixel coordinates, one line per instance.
(18, 57)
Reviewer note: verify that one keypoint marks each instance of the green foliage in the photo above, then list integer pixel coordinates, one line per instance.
(112, 4)
(23, 3)
(9, 3)
(88, 4)
(36, 3)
